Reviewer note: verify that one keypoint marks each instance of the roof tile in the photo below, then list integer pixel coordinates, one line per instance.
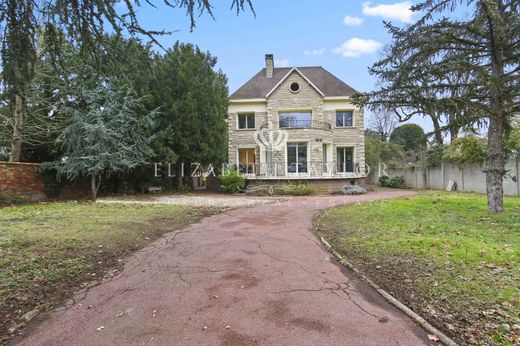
(259, 86)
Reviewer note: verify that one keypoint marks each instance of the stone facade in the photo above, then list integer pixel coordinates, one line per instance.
(21, 180)
(322, 134)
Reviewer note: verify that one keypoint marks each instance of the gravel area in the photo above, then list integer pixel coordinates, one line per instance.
(207, 200)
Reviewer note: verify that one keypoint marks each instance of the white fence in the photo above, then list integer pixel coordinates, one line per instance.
(470, 178)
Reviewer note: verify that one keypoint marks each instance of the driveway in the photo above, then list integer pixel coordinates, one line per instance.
(250, 276)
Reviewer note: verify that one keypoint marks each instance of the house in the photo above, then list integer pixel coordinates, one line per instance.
(296, 124)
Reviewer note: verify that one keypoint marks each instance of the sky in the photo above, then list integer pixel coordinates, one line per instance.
(345, 37)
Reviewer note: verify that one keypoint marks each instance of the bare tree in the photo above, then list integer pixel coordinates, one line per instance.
(383, 121)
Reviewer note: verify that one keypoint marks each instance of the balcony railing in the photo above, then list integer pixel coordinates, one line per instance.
(302, 124)
(303, 170)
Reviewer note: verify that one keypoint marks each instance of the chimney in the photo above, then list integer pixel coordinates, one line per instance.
(269, 65)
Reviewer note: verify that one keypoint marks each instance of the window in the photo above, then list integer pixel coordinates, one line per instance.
(246, 160)
(345, 160)
(297, 157)
(246, 121)
(344, 119)
(294, 87)
(295, 119)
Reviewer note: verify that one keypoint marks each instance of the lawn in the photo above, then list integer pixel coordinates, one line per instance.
(48, 251)
(441, 254)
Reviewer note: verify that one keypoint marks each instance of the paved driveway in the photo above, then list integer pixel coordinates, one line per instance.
(251, 276)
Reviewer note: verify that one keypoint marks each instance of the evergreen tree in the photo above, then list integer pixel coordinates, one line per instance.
(481, 51)
(410, 136)
(83, 23)
(192, 97)
(108, 133)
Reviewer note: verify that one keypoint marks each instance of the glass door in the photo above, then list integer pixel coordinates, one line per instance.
(345, 160)
(297, 157)
(246, 160)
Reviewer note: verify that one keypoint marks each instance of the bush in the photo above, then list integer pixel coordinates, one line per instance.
(48, 172)
(465, 150)
(232, 181)
(396, 182)
(295, 189)
(434, 155)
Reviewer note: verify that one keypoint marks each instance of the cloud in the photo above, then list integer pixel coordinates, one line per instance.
(356, 47)
(311, 52)
(281, 63)
(352, 21)
(399, 10)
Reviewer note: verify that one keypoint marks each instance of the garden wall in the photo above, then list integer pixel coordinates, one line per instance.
(470, 178)
(20, 179)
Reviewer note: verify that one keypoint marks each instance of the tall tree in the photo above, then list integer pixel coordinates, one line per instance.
(83, 22)
(483, 47)
(193, 100)
(410, 136)
(107, 134)
(383, 121)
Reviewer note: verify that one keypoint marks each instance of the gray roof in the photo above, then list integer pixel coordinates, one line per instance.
(259, 86)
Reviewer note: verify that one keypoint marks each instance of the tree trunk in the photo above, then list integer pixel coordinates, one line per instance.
(93, 190)
(495, 166)
(454, 133)
(16, 143)
(495, 162)
(94, 186)
(436, 129)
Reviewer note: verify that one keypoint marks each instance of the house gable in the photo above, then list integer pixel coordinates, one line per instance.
(282, 98)
(292, 71)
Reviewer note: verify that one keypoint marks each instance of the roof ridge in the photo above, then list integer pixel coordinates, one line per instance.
(258, 86)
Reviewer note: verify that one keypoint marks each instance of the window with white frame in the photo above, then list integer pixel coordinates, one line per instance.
(296, 157)
(295, 119)
(345, 159)
(344, 119)
(246, 121)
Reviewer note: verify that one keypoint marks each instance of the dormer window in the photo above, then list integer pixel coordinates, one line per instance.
(246, 121)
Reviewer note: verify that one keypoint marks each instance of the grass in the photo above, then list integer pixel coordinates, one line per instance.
(48, 251)
(443, 255)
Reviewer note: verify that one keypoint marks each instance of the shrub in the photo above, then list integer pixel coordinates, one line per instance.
(295, 189)
(396, 181)
(232, 181)
(48, 172)
(464, 150)
(434, 155)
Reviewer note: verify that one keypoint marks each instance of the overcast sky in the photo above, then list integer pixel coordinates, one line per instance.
(343, 36)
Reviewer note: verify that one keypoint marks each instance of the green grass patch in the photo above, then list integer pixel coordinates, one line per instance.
(442, 254)
(47, 251)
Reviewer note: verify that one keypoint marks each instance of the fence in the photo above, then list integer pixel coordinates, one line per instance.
(470, 178)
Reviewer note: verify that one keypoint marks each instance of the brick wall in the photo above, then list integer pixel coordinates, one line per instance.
(19, 179)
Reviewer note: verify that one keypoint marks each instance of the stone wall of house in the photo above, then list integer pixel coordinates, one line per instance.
(283, 99)
(242, 138)
(307, 99)
(19, 179)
